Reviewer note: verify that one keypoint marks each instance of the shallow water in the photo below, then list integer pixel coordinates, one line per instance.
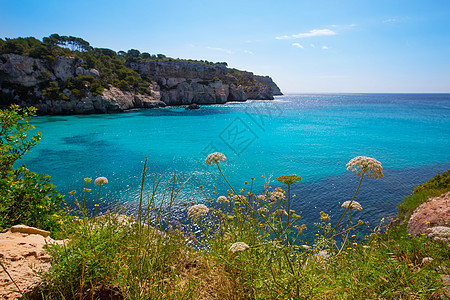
(311, 135)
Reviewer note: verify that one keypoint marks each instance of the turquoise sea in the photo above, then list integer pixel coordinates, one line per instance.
(311, 135)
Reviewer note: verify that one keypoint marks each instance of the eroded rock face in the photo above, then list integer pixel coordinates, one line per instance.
(434, 212)
(23, 254)
(176, 83)
(267, 81)
(18, 70)
(112, 100)
(23, 70)
(183, 83)
(236, 93)
(186, 70)
(65, 67)
(259, 92)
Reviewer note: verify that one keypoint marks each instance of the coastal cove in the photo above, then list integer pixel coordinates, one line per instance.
(310, 135)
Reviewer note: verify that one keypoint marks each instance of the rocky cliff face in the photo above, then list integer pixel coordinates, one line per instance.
(23, 80)
(184, 83)
(26, 81)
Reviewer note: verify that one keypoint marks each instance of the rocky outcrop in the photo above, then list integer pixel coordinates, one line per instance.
(112, 100)
(23, 254)
(42, 83)
(179, 69)
(23, 70)
(23, 80)
(259, 92)
(267, 81)
(183, 83)
(433, 213)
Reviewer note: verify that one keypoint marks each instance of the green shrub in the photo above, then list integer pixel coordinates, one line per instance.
(436, 186)
(25, 197)
(439, 181)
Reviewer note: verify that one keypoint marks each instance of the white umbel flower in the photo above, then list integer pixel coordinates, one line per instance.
(238, 247)
(280, 212)
(197, 211)
(215, 158)
(276, 195)
(100, 180)
(354, 205)
(427, 260)
(239, 199)
(366, 165)
(439, 231)
(222, 199)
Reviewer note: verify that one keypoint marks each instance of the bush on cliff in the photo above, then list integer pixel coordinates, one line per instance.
(436, 186)
(25, 197)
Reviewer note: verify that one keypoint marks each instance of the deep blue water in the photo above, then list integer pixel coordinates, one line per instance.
(311, 135)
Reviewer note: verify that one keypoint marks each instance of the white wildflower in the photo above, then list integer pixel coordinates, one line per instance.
(215, 158)
(323, 254)
(354, 205)
(222, 199)
(238, 247)
(197, 211)
(299, 227)
(263, 210)
(324, 216)
(280, 212)
(100, 180)
(261, 197)
(276, 195)
(366, 165)
(238, 199)
(427, 260)
(440, 231)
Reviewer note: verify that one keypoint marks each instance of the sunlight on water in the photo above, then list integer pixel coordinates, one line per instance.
(313, 136)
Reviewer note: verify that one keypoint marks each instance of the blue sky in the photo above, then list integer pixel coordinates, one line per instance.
(305, 46)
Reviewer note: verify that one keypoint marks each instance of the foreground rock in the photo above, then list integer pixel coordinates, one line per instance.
(22, 253)
(435, 212)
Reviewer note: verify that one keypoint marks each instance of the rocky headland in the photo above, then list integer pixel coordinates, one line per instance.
(64, 84)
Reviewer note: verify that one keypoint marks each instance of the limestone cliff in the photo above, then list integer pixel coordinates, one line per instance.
(29, 81)
(66, 85)
(184, 83)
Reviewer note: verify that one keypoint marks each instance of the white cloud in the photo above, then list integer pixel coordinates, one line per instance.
(313, 46)
(221, 50)
(314, 32)
(248, 52)
(391, 20)
(324, 47)
(297, 45)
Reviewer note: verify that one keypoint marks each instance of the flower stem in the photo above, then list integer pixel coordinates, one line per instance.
(225, 178)
(350, 204)
(98, 198)
(289, 213)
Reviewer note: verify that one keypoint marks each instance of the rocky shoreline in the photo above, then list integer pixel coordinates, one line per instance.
(25, 81)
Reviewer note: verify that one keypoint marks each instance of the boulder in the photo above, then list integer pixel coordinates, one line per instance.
(193, 106)
(23, 254)
(29, 230)
(434, 212)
